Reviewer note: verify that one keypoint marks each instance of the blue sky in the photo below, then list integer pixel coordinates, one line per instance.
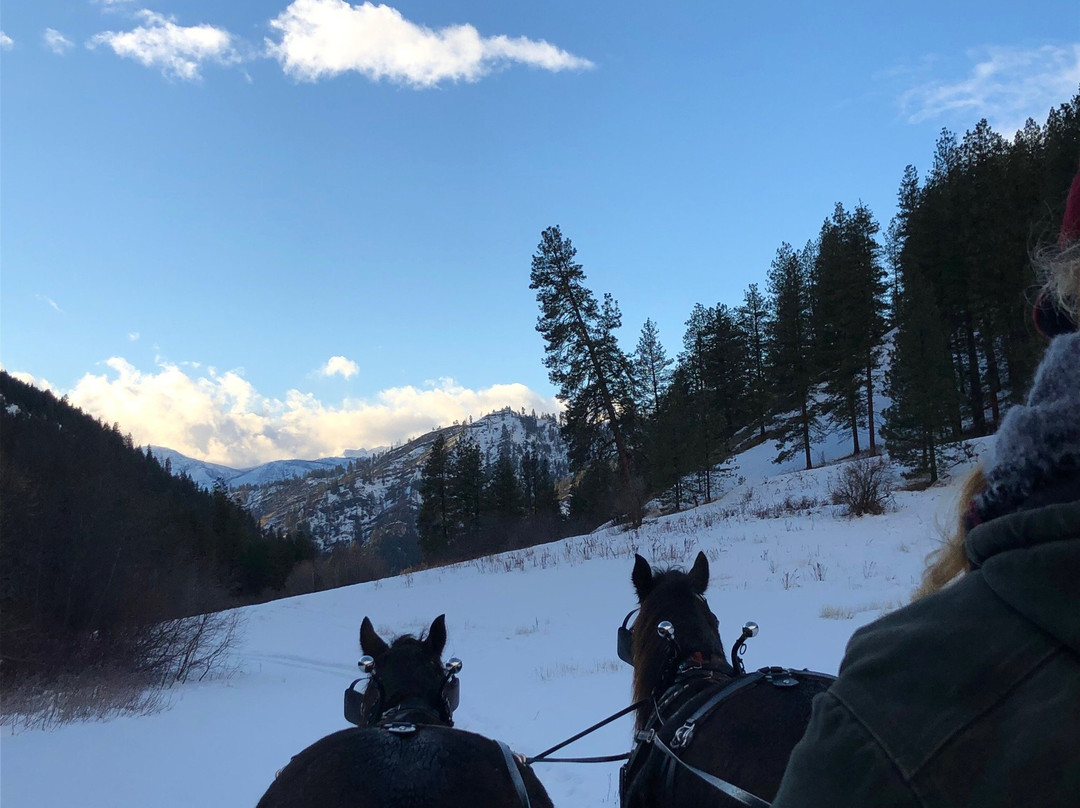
(253, 230)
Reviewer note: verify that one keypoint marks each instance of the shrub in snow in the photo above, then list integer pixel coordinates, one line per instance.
(863, 486)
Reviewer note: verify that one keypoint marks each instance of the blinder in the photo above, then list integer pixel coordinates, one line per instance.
(625, 646)
(354, 699)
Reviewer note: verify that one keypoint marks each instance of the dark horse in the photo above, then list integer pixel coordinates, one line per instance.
(702, 709)
(406, 752)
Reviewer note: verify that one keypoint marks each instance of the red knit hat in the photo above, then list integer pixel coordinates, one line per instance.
(1070, 225)
(1050, 321)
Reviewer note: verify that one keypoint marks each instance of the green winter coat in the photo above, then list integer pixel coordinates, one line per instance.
(969, 697)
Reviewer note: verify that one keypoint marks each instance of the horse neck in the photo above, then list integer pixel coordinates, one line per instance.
(412, 711)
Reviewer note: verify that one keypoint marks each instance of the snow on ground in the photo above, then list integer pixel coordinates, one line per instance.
(536, 631)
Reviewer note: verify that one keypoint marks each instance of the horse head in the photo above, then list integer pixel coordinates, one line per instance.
(693, 638)
(409, 682)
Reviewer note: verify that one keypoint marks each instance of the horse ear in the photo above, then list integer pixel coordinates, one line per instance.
(699, 573)
(641, 577)
(436, 638)
(370, 642)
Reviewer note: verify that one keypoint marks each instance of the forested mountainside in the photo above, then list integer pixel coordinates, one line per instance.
(374, 500)
(99, 538)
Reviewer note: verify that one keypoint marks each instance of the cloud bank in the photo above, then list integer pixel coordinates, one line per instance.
(324, 38)
(222, 418)
(177, 51)
(1006, 86)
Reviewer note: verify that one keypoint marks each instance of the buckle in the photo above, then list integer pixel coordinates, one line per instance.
(683, 736)
(400, 728)
(645, 736)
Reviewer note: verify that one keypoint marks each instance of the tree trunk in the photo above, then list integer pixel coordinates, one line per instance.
(870, 401)
(993, 378)
(806, 434)
(978, 404)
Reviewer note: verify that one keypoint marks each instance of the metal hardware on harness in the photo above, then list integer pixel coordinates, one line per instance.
(749, 629)
(366, 663)
(683, 735)
(400, 728)
(666, 630)
(779, 677)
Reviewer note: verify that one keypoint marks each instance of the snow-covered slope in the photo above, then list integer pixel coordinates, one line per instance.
(206, 475)
(536, 631)
(378, 495)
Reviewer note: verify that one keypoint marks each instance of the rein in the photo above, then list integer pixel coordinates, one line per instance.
(543, 756)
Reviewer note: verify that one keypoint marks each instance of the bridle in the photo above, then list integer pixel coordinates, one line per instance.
(625, 642)
(407, 711)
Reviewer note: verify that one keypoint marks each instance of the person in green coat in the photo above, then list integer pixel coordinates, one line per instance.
(970, 696)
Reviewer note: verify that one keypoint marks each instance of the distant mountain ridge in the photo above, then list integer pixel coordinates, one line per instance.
(370, 498)
(206, 475)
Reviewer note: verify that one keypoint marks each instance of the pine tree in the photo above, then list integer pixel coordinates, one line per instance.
(651, 371)
(920, 381)
(791, 347)
(753, 319)
(583, 358)
(465, 487)
(849, 303)
(434, 519)
(504, 489)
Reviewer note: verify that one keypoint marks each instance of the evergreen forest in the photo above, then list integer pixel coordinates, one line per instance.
(940, 297)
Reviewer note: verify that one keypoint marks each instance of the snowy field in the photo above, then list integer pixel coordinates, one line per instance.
(536, 631)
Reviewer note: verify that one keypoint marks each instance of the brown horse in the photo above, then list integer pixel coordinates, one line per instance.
(699, 711)
(406, 754)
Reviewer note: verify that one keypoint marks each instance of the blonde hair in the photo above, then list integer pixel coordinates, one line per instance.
(950, 559)
(1060, 267)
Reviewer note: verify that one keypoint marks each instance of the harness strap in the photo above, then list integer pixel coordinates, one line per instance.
(515, 775)
(732, 790)
(685, 733)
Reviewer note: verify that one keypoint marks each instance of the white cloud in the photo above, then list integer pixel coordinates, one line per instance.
(321, 38)
(340, 365)
(57, 42)
(50, 302)
(222, 418)
(6, 42)
(176, 50)
(133, 336)
(1006, 86)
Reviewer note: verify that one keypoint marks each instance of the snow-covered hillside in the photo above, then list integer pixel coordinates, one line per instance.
(536, 631)
(378, 496)
(207, 475)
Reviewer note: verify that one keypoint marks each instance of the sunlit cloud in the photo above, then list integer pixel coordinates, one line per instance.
(6, 42)
(324, 38)
(50, 302)
(57, 42)
(222, 418)
(177, 51)
(339, 365)
(1006, 86)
